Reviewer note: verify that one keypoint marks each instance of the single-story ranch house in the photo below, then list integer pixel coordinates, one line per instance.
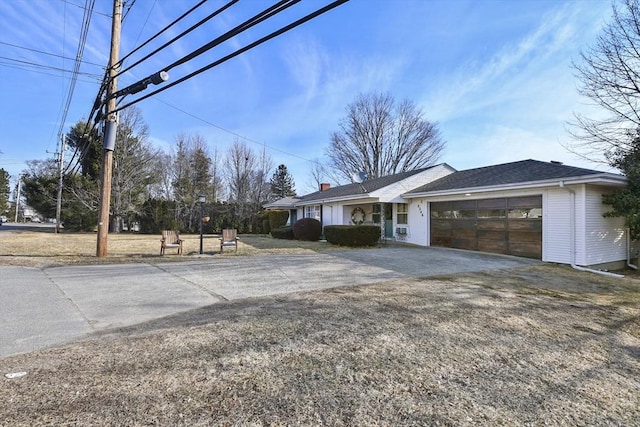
(529, 208)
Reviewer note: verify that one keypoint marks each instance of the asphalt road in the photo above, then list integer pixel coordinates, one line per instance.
(42, 307)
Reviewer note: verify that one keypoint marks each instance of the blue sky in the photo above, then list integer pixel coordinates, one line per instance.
(495, 74)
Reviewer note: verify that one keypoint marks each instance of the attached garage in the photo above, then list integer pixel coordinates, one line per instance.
(529, 208)
(511, 226)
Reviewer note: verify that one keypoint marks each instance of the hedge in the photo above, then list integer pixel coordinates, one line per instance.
(282, 233)
(278, 218)
(352, 235)
(307, 229)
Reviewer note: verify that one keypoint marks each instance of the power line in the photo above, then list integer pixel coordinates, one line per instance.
(84, 8)
(161, 31)
(267, 13)
(142, 27)
(48, 53)
(179, 36)
(124, 15)
(238, 52)
(86, 21)
(230, 131)
(260, 17)
(32, 66)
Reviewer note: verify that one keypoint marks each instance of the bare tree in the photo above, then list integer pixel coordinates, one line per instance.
(217, 178)
(260, 186)
(381, 137)
(132, 168)
(247, 179)
(191, 177)
(240, 163)
(319, 173)
(160, 183)
(610, 75)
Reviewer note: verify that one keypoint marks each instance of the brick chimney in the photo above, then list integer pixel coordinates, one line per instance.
(324, 186)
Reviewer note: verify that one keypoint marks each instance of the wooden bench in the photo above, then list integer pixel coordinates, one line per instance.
(170, 239)
(229, 238)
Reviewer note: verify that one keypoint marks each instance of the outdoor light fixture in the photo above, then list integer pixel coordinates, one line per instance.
(201, 199)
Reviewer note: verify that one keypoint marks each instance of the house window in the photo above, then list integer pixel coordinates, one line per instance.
(376, 216)
(403, 213)
(312, 211)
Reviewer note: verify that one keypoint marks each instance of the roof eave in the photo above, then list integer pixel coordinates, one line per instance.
(604, 178)
(335, 199)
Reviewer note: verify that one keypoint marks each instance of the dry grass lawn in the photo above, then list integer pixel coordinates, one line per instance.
(541, 345)
(44, 248)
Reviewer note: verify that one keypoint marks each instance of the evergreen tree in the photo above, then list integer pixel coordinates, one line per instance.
(4, 191)
(282, 184)
(626, 203)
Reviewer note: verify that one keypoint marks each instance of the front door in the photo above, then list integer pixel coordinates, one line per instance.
(388, 220)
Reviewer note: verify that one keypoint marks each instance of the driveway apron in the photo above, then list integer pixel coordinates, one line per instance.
(44, 307)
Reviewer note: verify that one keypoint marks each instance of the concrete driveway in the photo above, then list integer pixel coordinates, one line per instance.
(44, 307)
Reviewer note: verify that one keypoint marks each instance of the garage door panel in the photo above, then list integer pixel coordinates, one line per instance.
(441, 224)
(493, 246)
(469, 244)
(525, 202)
(441, 241)
(534, 225)
(500, 225)
(492, 204)
(529, 250)
(523, 236)
(492, 235)
(493, 224)
(463, 224)
(463, 234)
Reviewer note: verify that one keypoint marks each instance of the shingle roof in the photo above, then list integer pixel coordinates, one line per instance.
(507, 173)
(357, 189)
(285, 202)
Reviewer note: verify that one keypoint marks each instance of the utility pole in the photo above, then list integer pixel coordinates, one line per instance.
(60, 174)
(18, 197)
(111, 127)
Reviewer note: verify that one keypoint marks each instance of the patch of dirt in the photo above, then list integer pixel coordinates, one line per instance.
(529, 346)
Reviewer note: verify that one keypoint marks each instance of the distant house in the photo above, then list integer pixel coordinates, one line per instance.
(529, 208)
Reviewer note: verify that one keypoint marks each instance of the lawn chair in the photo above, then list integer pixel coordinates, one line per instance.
(229, 238)
(170, 239)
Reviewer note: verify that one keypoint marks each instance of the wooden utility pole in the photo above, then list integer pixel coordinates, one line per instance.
(63, 141)
(111, 126)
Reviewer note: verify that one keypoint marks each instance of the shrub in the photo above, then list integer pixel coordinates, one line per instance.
(283, 233)
(266, 228)
(352, 235)
(157, 215)
(278, 218)
(307, 229)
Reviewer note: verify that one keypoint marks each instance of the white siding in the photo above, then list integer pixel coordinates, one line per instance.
(556, 235)
(597, 239)
(605, 239)
(331, 214)
(418, 227)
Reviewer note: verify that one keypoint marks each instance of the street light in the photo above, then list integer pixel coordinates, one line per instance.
(201, 199)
